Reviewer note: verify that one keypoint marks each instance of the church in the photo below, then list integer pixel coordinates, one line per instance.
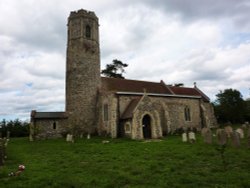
(116, 107)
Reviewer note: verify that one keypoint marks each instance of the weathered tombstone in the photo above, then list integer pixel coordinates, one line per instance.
(235, 138)
(208, 137)
(69, 138)
(243, 126)
(191, 137)
(184, 137)
(221, 136)
(88, 136)
(241, 132)
(203, 131)
(228, 130)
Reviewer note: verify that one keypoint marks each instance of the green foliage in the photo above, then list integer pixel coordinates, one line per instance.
(17, 128)
(247, 117)
(114, 70)
(230, 106)
(123, 163)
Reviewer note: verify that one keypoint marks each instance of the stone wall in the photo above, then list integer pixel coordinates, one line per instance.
(208, 117)
(170, 111)
(48, 128)
(108, 127)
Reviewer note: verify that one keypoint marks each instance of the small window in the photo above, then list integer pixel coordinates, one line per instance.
(105, 112)
(54, 125)
(88, 32)
(187, 114)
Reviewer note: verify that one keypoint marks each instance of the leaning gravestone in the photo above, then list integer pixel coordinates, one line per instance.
(235, 139)
(184, 137)
(241, 132)
(191, 137)
(208, 137)
(221, 136)
(228, 130)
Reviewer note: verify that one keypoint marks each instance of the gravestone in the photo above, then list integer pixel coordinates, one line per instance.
(243, 126)
(88, 136)
(228, 130)
(208, 137)
(221, 136)
(184, 137)
(241, 132)
(203, 131)
(191, 137)
(69, 138)
(235, 139)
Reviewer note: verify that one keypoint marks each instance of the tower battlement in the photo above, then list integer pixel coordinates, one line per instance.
(82, 13)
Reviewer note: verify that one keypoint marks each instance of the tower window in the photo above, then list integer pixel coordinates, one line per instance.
(105, 112)
(187, 114)
(54, 125)
(88, 32)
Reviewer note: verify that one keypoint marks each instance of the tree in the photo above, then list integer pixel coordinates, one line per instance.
(114, 70)
(230, 106)
(247, 102)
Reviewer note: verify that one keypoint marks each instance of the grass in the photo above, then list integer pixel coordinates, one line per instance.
(124, 163)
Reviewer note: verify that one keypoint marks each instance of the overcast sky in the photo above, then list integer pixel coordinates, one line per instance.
(178, 41)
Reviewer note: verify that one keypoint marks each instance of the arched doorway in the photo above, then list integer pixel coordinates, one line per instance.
(146, 126)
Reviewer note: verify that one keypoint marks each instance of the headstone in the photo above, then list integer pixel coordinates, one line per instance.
(88, 136)
(208, 137)
(184, 137)
(191, 137)
(203, 131)
(69, 138)
(228, 130)
(241, 132)
(235, 139)
(221, 136)
(243, 126)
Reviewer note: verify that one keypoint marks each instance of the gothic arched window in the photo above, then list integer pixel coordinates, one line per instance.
(88, 31)
(187, 114)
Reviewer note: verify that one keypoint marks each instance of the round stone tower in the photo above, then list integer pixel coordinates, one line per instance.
(82, 71)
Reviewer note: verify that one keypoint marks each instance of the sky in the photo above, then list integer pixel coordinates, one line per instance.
(177, 41)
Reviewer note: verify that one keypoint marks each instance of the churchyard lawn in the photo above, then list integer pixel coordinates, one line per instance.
(124, 163)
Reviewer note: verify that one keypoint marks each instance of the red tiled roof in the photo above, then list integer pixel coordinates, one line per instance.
(124, 85)
(128, 113)
(184, 91)
(136, 86)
